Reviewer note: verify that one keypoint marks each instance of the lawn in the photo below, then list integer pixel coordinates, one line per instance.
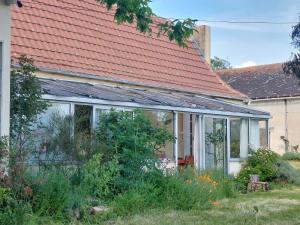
(275, 207)
(295, 164)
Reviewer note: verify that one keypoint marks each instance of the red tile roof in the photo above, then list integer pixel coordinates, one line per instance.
(80, 36)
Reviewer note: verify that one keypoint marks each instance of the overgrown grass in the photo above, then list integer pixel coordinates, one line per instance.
(278, 207)
(291, 156)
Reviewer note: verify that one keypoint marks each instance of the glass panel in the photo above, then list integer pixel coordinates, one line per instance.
(163, 120)
(238, 138)
(185, 135)
(263, 134)
(61, 109)
(82, 119)
(215, 143)
(258, 134)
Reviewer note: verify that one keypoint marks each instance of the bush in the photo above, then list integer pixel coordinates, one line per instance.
(287, 173)
(53, 195)
(263, 163)
(225, 183)
(291, 156)
(134, 140)
(98, 177)
(183, 191)
(12, 211)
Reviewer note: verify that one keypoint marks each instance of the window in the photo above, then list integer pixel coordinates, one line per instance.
(83, 119)
(215, 143)
(238, 138)
(162, 119)
(263, 142)
(258, 134)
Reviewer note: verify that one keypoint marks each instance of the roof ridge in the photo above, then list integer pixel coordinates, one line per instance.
(250, 68)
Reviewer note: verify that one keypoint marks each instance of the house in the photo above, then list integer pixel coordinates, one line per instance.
(270, 89)
(90, 64)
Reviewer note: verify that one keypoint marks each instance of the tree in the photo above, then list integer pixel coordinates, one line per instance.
(293, 65)
(220, 64)
(26, 101)
(140, 12)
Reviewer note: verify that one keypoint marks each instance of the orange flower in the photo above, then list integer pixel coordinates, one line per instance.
(217, 204)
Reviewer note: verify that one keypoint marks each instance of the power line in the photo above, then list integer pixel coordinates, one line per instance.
(32, 2)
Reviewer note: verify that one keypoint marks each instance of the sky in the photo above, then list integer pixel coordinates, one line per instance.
(241, 44)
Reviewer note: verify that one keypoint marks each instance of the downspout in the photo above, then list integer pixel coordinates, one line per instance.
(286, 141)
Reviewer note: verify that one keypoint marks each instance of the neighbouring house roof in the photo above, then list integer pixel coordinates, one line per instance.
(81, 37)
(70, 91)
(262, 82)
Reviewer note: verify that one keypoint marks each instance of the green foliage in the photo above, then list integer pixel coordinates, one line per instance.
(219, 64)
(53, 195)
(26, 99)
(243, 177)
(98, 177)
(3, 149)
(186, 190)
(57, 138)
(134, 141)
(291, 156)
(139, 11)
(225, 183)
(292, 67)
(263, 163)
(12, 210)
(26, 104)
(158, 191)
(287, 173)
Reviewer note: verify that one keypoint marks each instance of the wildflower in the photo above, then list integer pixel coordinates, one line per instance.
(28, 191)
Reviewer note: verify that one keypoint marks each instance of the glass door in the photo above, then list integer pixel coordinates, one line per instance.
(216, 143)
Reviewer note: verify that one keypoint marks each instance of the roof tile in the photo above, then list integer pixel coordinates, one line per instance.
(81, 36)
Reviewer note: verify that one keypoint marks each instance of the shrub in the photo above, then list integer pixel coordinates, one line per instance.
(134, 140)
(291, 156)
(12, 211)
(225, 183)
(53, 195)
(263, 163)
(184, 191)
(98, 177)
(287, 173)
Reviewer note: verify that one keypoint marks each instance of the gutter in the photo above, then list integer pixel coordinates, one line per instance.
(109, 79)
(274, 99)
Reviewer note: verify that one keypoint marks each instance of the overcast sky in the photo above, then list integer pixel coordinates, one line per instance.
(241, 44)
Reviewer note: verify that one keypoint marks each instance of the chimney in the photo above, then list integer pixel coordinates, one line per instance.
(202, 38)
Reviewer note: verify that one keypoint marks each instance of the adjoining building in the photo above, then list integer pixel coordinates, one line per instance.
(90, 64)
(270, 89)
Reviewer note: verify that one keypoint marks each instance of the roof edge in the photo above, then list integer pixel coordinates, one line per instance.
(120, 81)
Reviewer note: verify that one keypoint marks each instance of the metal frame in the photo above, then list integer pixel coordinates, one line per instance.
(175, 134)
(199, 139)
(156, 107)
(226, 160)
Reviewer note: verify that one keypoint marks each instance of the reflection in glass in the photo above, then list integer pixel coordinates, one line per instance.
(215, 143)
